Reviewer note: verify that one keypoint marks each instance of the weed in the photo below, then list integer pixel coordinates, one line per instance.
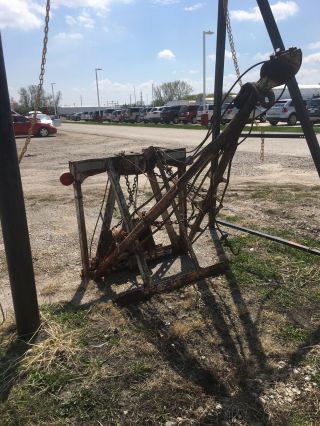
(293, 333)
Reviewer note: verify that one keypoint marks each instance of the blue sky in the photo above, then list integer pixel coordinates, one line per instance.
(140, 42)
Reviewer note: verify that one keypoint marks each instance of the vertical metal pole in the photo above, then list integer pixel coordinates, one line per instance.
(54, 102)
(97, 84)
(219, 68)
(293, 87)
(204, 70)
(218, 85)
(14, 221)
(81, 228)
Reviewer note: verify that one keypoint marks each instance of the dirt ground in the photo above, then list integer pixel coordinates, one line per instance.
(51, 212)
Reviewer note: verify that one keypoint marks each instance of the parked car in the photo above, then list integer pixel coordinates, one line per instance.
(230, 111)
(42, 118)
(313, 109)
(107, 114)
(171, 114)
(283, 110)
(56, 121)
(76, 116)
(188, 114)
(85, 116)
(153, 116)
(21, 126)
(98, 115)
(208, 111)
(134, 114)
(145, 114)
(117, 116)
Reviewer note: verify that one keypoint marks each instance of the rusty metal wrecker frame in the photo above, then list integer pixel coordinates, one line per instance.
(134, 233)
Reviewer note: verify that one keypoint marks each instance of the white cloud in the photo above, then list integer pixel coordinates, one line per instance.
(116, 91)
(315, 45)
(281, 10)
(89, 4)
(82, 20)
(227, 55)
(262, 56)
(194, 7)
(29, 14)
(166, 54)
(314, 57)
(68, 36)
(20, 13)
(165, 2)
(193, 71)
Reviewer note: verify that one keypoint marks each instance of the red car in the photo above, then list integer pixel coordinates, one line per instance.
(21, 126)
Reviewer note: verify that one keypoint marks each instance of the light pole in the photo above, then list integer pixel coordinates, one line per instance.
(54, 102)
(98, 69)
(204, 33)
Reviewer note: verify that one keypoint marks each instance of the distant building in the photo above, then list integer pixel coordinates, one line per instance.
(307, 91)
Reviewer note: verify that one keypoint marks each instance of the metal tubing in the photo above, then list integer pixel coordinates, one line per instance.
(269, 237)
(14, 221)
(82, 229)
(219, 68)
(293, 87)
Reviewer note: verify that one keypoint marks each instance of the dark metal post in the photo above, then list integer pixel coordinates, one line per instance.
(293, 87)
(14, 221)
(219, 68)
(218, 85)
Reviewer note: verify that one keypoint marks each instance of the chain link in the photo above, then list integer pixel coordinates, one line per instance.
(132, 192)
(262, 150)
(40, 84)
(231, 41)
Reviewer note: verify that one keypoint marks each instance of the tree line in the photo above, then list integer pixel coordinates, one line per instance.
(27, 100)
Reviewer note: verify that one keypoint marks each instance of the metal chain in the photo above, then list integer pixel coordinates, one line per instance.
(40, 84)
(231, 41)
(262, 150)
(236, 64)
(132, 191)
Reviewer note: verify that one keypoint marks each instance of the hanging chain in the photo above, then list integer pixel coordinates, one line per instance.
(231, 41)
(262, 149)
(236, 64)
(132, 192)
(40, 84)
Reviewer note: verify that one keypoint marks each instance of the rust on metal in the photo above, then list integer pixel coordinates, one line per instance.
(184, 190)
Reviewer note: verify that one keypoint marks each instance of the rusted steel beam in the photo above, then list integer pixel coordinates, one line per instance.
(106, 223)
(182, 206)
(169, 284)
(208, 153)
(278, 70)
(81, 228)
(115, 184)
(274, 238)
(183, 229)
(165, 215)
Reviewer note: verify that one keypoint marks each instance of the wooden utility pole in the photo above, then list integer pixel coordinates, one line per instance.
(14, 221)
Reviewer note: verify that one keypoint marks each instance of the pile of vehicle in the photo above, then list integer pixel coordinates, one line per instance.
(282, 111)
(44, 125)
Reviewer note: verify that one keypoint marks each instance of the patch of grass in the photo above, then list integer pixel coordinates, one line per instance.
(293, 333)
(230, 217)
(69, 317)
(286, 275)
(141, 370)
(288, 194)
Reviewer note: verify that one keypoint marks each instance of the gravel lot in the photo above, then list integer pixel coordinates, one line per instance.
(50, 208)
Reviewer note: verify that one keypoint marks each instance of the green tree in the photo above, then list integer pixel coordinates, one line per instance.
(28, 96)
(171, 91)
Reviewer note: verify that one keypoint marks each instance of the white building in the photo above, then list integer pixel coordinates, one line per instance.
(307, 91)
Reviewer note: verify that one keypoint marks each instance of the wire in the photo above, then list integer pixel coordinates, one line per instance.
(196, 150)
(99, 216)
